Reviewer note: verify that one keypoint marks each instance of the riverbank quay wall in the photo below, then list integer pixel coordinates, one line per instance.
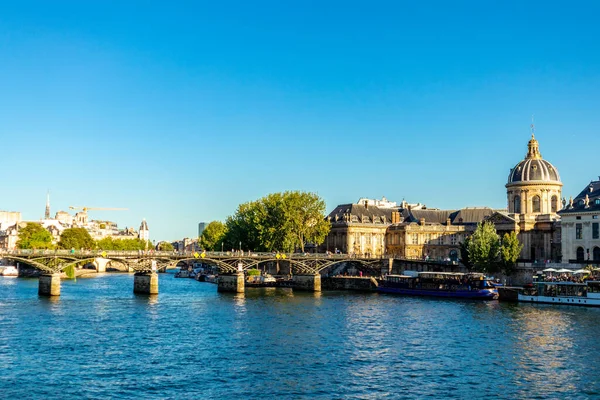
(353, 283)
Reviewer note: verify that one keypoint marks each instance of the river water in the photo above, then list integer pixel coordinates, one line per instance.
(100, 341)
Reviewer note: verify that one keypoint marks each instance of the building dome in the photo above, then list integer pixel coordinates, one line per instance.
(533, 168)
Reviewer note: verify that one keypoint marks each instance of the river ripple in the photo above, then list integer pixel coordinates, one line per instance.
(99, 341)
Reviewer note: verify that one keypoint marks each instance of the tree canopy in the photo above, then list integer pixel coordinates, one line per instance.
(109, 243)
(76, 238)
(464, 254)
(484, 248)
(213, 236)
(279, 221)
(509, 252)
(165, 246)
(34, 236)
(486, 253)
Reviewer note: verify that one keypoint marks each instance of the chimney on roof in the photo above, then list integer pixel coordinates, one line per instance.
(447, 221)
(421, 221)
(367, 204)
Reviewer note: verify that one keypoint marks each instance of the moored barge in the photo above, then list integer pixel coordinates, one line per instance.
(440, 284)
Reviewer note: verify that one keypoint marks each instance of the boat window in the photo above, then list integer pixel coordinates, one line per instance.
(593, 287)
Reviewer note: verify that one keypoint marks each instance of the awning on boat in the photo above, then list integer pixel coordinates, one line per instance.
(565, 271)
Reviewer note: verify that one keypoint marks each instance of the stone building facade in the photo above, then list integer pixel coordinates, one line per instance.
(580, 226)
(9, 229)
(358, 229)
(432, 234)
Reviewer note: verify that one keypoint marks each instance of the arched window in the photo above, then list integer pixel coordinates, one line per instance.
(580, 254)
(517, 205)
(554, 204)
(535, 203)
(596, 253)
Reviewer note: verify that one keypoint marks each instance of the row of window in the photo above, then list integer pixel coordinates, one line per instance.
(535, 204)
(428, 238)
(365, 219)
(595, 231)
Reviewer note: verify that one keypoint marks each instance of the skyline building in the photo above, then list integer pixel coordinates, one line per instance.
(201, 228)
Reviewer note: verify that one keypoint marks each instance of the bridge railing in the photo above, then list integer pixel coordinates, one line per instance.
(180, 254)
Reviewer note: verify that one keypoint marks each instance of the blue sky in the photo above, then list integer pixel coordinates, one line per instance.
(181, 111)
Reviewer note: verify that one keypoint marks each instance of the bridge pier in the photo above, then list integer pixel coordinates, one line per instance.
(145, 283)
(311, 283)
(49, 285)
(101, 264)
(231, 283)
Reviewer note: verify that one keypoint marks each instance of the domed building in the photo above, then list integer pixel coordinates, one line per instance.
(533, 193)
(534, 185)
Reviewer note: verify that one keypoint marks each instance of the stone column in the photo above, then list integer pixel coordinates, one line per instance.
(145, 283)
(231, 283)
(49, 285)
(310, 283)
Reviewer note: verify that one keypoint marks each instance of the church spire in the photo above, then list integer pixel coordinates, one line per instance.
(47, 214)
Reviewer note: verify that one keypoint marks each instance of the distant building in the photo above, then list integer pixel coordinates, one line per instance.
(359, 229)
(144, 233)
(55, 228)
(186, 245)
(429, 234)
(9, 229)
(201, 228)
(533, 193)
(580, 226)
(64, 218)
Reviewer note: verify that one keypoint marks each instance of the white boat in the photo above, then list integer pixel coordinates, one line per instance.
(10, 271)
(570, 293)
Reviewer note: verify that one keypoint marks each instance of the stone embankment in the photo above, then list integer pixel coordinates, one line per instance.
(362, 284)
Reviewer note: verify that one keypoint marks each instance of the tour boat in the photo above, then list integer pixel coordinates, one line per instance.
(10, 271)
(570, 293)
(440, 284)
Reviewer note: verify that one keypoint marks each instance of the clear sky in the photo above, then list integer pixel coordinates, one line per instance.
(182, 110)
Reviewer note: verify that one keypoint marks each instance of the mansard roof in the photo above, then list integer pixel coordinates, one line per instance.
(430, 216)
(464, 216)
(586, 201)
(361, 211)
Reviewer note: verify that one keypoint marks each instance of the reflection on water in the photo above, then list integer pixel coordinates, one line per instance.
(191, 342)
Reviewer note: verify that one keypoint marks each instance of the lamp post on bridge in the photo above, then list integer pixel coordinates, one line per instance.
(221, 247)
(240, 247)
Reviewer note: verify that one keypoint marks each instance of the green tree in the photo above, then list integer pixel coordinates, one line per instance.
(304, 216)
(213, 236)
(165, 246)
(76, 238)
(245, 227)
(132, 244)
(278, 221)
(34, 236)
(464, 254)
(484, 248)
(509, 252)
